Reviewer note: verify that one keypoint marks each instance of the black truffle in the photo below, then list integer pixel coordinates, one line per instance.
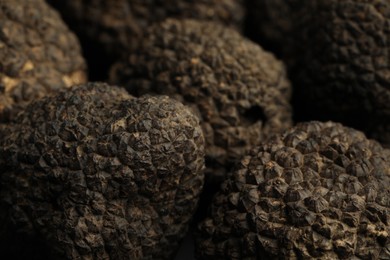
(239, 91)
(96, 174)
(38, 54)
(319, 191)
(110, 27)
(338, 59)
(344, 70)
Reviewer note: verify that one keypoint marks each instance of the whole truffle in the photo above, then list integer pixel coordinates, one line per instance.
(38, 54)
(110, 27)
(93, 173)
(239, 91)
(319, 191)
(341, 70)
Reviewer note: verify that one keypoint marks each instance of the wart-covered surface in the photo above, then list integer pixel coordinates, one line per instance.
(319, 191)
(39, 55)
(93, 173)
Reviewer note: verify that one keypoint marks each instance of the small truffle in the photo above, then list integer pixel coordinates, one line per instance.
(319, 191)
(38, 54)
(94, 173)
(240, 92)
(110, 27)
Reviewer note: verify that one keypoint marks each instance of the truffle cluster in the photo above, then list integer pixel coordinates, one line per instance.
(94, 173)
(319, 191)
(240, 92)
(110, 27)
(38, 54)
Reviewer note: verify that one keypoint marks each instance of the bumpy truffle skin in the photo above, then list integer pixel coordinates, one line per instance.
(319, 191)
(239, 91)
(97, 174)
(344, 70)
(38, 54)
(113, 26)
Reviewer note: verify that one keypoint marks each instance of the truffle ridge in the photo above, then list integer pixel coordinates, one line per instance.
(320, 190)
(95, 173)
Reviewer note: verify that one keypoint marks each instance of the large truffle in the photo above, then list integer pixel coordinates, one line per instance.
(319, 191)
(38, 54)
(239, 91)
(110, 27)
(93, 173)
(344, 70)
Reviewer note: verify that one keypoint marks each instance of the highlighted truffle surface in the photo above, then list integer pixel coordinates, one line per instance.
(239, 91)
(319, 191)
(38, 54)
(94, 173)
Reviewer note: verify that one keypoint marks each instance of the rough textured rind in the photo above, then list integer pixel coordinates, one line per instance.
(239, 91)
(38, 54)
(319, 191)
(96, 174)
(343, 74)
(115, 25)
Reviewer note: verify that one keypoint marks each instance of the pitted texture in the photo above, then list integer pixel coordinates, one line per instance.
(38, 54)
(115, 25)
(97, 174)
(344, 70)
(239, 91)
(319, 191)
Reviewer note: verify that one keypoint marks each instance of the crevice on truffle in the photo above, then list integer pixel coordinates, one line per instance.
(253, 115)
